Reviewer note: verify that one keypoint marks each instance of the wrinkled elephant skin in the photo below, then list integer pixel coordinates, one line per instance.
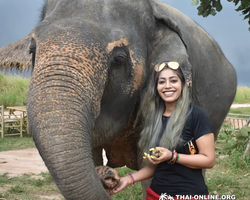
(91, 60)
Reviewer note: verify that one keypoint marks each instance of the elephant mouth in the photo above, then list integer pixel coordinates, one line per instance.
(108, 176)
(111, 182)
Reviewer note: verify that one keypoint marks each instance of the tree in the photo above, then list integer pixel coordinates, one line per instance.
(211, 7)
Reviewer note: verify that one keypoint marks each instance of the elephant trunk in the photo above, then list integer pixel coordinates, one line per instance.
(61, 118)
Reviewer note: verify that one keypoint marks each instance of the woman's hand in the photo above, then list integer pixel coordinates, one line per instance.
(144, 173)
(166, 155)
(124, 182)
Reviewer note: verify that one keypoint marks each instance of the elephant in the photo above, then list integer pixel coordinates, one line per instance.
(91, 61)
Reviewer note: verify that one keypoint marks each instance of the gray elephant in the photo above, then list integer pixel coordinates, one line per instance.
(91, 60)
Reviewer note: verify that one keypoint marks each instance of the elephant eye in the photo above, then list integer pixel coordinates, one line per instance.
(119, 59)
(32, 51)
(120, 64)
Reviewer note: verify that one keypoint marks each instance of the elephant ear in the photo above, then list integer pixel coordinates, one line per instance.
(170, 41)
(16, 55)
(161, 13)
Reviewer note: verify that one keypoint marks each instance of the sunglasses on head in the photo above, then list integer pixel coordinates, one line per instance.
(172, 65)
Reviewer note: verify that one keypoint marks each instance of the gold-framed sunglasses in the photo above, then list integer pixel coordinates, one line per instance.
(172, 65)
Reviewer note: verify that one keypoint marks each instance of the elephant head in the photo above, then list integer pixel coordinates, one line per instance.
(90, 63)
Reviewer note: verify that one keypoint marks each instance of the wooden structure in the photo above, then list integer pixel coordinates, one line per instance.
(237, 120)
(17, 110)
(10, 125)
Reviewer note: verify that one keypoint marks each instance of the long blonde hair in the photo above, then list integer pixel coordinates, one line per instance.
(152, 109)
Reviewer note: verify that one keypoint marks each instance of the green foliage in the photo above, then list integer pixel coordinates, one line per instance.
(230, 175)
(211, 7)
(235, 141)
(243, 133)
(13, 90)
(226, 136)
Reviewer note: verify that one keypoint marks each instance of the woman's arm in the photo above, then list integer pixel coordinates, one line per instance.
(204, 159)
(206, 156)
(143, 174)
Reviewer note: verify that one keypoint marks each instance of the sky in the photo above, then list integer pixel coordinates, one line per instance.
(230, 31)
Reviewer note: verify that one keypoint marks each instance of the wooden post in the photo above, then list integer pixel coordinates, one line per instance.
(248, 144)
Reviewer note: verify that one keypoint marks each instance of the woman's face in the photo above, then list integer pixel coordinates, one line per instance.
(169, 85)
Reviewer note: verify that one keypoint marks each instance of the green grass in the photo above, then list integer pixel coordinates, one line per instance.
(242, 95)
(15, 142)
(28, 187)
(244, 111)
(229, 176)
(13, 90)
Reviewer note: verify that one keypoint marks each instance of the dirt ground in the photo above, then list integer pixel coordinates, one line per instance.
(25, 161)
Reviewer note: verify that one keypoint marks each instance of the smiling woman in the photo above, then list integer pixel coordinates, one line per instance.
(169, 87)
(181, 132)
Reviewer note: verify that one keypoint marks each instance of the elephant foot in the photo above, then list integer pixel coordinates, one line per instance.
(108, 176)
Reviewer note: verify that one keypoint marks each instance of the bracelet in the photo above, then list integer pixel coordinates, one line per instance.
(174, 158)
(178, 155)
(171, 157)
(132, 179)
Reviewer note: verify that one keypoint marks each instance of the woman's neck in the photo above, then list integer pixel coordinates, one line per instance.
(169, 109)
